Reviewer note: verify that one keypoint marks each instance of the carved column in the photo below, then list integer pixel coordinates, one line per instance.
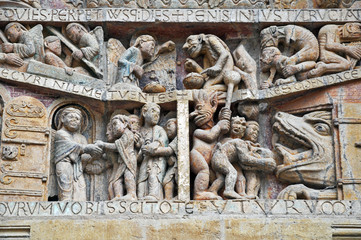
(183, 150)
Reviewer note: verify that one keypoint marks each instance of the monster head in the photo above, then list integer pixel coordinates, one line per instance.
(305, 144)
(205, 106)
(194, 44)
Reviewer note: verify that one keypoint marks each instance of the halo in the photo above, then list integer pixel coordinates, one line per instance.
(85, 117)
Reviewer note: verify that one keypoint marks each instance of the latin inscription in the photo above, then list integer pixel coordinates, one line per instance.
(238, 207)
(50, 83)
(180, 15)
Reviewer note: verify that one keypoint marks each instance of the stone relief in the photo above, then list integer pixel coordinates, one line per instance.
(120, 151)
(305, 145)
(218, 66)
(339, 48)
(132, 64)
(205, 139)
(72, 152)
(139, 156)
(299, 55)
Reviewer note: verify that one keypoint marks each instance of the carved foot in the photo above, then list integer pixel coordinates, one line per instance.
(318, 71)
(128, 197)
(290, 70)
(282, 81)
(150, 198)
(231, 195)
(206, 196)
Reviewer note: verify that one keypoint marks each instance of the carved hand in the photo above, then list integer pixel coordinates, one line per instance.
(166, 47)
(7, 47)
(93, 150)
(99, 144)
(224, 125)
(78, 54)
(191, 66)
(138, 71)
(14, 59)
(354, 52)
(225, 113)
(212, 71)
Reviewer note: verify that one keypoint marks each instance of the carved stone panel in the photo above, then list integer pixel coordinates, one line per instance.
(23, 163)
(350, 151)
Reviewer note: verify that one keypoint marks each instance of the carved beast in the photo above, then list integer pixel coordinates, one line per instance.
(305, 144)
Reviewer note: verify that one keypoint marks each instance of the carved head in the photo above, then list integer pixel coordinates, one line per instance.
(351, 32)
(194, 44)
(171, 128)
(134, 122)
(53, 44)
(268, 56)
(146, 45)
(13, 31)
(305, 145)
(238, 127)
(109, 133)
(270, 36)
(118, 124)
(150, 114)
(71, 119)
(75, 31)
(249, 110)
(205, 106)
(252, 131)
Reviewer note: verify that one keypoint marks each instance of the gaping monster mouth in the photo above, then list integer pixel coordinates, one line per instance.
(291, 143)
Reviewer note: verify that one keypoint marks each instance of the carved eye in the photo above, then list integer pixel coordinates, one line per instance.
(199, 107)
(322, 128)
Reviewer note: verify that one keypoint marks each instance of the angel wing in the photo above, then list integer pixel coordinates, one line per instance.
(37, 34)
(115, 49)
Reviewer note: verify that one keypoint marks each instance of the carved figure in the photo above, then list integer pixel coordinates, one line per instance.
(71, 149)
(273, 61)
(125, 166)
(300, 48)
(305, 145)
(52, 54)
(171, 177)
(247, 155)
(87, 42)
(217, 59)
(153, 166)
(205, 139)
(131, 63)
(339, 48)
(27, 44)
(252, 176)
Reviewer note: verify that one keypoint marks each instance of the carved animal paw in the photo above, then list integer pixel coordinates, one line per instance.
(266, 85)
(298, 191)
